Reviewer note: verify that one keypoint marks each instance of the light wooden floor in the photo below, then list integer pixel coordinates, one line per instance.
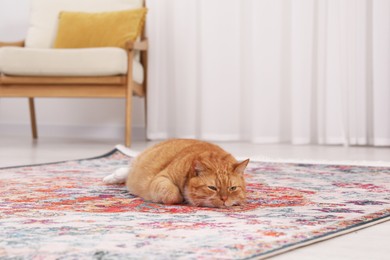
(370, 243)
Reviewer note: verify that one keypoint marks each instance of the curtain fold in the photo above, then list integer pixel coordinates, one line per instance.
(281, 71)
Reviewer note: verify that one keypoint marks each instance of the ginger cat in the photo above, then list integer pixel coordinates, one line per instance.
(192, 171)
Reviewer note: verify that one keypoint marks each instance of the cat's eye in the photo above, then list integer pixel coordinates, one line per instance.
(212, 188)
(233, 188)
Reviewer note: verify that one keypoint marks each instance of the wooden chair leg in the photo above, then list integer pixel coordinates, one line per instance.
(128, 119)
(146, 117)
(33, 118)
(144, 61)
(129, 97)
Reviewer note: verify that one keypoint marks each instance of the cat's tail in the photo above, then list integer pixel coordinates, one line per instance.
(118, 177)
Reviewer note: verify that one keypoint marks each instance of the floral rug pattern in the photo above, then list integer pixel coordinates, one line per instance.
(64, 211)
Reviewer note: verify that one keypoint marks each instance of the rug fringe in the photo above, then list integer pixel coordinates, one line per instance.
(127, 151)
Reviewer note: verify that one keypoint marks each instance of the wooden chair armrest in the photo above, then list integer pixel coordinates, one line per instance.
(138, 46)
(16, 44)
(142, 45)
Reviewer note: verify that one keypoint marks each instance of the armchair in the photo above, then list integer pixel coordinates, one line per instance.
(33, 68)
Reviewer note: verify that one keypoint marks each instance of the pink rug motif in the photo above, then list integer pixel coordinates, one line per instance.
(64, 211)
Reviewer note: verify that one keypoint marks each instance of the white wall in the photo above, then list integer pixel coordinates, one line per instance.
(60, 117)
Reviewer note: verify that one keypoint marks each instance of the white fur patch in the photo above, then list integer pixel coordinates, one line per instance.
(118, 177)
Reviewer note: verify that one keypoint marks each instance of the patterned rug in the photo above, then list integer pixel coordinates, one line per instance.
(64, 211)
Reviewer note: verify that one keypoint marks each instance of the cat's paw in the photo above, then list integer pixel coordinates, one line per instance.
(118, 177)
(172, 199)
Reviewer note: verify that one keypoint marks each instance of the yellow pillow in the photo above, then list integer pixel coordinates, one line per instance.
(107, 29)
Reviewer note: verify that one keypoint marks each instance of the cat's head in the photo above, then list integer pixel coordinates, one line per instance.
(216, 184)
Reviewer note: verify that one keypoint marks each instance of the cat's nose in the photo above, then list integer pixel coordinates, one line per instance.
(224, 198)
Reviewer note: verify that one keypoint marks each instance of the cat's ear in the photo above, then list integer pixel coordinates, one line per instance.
(198, 167)
(239, 168)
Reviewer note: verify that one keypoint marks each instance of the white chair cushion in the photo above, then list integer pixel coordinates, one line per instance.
(108, 61)
(44, 16)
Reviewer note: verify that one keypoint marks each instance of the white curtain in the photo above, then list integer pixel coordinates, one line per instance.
(269, 71)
